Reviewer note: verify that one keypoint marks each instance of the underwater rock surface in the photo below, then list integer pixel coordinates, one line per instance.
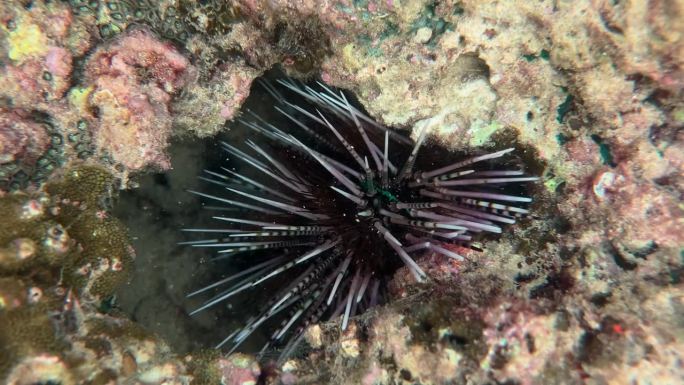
(590, 92)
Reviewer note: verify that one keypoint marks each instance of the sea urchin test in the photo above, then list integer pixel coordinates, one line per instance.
(336, 203)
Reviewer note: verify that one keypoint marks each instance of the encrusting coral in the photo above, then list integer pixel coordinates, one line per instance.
(132, 82)
(109, 102)
(57, 246)
(62, 255)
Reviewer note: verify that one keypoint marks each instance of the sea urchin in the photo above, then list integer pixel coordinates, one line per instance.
(328, 205)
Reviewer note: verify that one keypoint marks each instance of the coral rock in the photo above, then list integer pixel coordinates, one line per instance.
(135, 78)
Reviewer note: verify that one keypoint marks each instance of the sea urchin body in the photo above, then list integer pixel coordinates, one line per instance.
(337, 204)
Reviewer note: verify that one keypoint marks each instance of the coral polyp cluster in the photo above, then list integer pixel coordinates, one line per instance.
(61, 256)
(338, 203)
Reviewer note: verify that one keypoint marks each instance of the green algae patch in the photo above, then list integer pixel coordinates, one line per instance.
(429, 19)
(78, 98)
(678, 115)
(530, 57)
(350, 57)
(552, 184)
(480, 132)
(391, 29)
(26, 40)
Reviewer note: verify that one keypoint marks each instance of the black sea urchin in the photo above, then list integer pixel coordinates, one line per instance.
(324, 204)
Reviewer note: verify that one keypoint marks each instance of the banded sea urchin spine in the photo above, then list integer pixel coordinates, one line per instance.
(327, 202)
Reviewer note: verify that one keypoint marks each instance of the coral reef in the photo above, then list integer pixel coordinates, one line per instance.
(62, 255)
(336, 224)
(608, 141)
(30, 149)
(61, 258)
(590, 92)
(109, 102)
(131, 82)
(66, 228)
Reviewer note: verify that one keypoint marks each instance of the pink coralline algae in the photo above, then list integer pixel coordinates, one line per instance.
(134, 80)
(33, 83)
(238, 369)
(21, 139)
(230, 108)
(58, 62)
(118, 108)
(652, 216)
(40, 64)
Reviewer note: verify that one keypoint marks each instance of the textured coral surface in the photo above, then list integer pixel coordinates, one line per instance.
(590, 92)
